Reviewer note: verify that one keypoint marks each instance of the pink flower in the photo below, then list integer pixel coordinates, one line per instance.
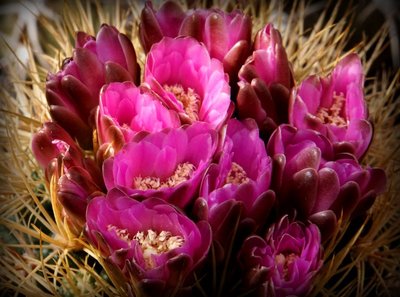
(285, 262)
(188, 81)
(335, 107)
(167, 164)
(125, 110)
(73, 92)
(150, 242)
(243, 173)
(265, 82)
(237, 187)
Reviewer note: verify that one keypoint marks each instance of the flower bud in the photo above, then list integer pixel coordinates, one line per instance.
(73, 92)
(265, 82)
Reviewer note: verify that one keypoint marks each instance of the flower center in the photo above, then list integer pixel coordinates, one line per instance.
(285, 261)
(189, 99)
(182, 173)
(236, 175)
(152, 243)
(332, 115)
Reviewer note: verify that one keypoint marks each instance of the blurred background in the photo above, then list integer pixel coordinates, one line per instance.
(370, 17)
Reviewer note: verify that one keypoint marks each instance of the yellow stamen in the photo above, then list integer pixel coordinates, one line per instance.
(285, 261)
(182, 173)
(152, 243)
(332, 114)
(189, 99)
(236, 175)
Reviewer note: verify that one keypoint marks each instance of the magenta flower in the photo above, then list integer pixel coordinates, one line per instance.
(320, 185)
(151, 242)
(167, 164)
(236, 188)
(154, 25)
(188, 81)
(242, 174)
(73, 92)
(285, 262)
(125, 110)
(227, 36)
(335, 107)
(265, 82)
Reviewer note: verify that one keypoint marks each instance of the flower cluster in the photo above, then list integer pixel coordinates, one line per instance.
(214, 163)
